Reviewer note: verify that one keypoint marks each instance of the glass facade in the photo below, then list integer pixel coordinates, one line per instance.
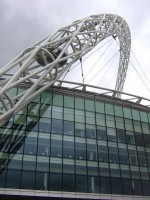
(67, 143)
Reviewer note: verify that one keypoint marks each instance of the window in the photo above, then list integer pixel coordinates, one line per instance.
(116, 185)
(28, 180)
(127, 113)
(113, 152)
(79, 129)
(41, 181)
(69, 182)
(127, 186)
(91, 149)
(102, 151)
(105, 185)
(100, 119)
(132, 155)
(46, 98)
(79, 103)
(90, 117)
(57, 112)
(121, 135)
(68, 102)
(143, 116)
(68, 114)
(81, 183)
(123, 154)
(139, 140)
(99, 107)
(89, 105)
(111, 134)
(90, 131)
(109, 109)
(68, 147)
(110, 121)
(118, 111)
(68, 128)
(79, 116)
(56, 126)
(45, 125)
(130, 137)
(57, 99)
(137, 126)
(128, 125)
(55, 183)
(101, 132)
(80, 148)
(93, 184)
(56, 146)
(136, 115)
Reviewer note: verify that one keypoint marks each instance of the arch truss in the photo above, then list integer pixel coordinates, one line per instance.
(44, 63)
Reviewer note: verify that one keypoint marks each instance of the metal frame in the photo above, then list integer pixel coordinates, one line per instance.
(45, 62)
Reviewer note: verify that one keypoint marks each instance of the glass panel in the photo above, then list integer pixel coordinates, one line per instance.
(15, 161)
(102, 151)
(69, 101)
(99, 107)
(68, 128)
(32, 123)
(125, 171)
(2, 176)
(30, 145)
(110, 121)
(104, 169)
(142, 156)
(121, 135)
(68, 147)
(101, 133)
(43, 145)
(29, 162)
(147, 140)
(127, 186)
(119, 123)
(56, 126)
(113, 152)
(127, 113)
(109, 109)
(79, 103)
(132, 155)
(105, 185)
(57, 99)
(93, 184)
(81, 183)
(81, 167)
(128, 125)
(145, 128)
(80, 129)
(79, 116)
(56, 165)
(114, 170)
(68, 166)
(130, 137)
(136, 115)
(46, 98)
(33, 109)
(137, 126)
(45, 125)
(92, 168)
(146, 188)
(13, 179)
(144, 173)
(91, 149)
(42, 164)
(80, 148)
(90, 131)
(111, 134)
(143, 116)
(69, 182)
(55, 182)
(89, 105)
(56, 146)
(45, 111)
(68, 114)
(135, 173)
(100, 119)
(41, 181)
(137, 187)
(90, 117)
(118, 111)
(139, 140)
(123, 154)
(116, 186)
(57, 112)
(28, 179)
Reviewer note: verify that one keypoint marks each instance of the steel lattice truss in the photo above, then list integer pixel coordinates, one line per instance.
(45, 62)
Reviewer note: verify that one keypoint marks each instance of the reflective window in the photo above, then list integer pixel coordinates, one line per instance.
(101, 132)
(68, 128)
(13, 179)
(68, 114)
(89, 105)
(105, 185)
(111, 134)
(45, 125)
(139, 141)
(80, 148)
(116, 185)
(79, 103)
(81, 183)
(130, 137)
(79, 129)
(136, 115)
(110, 121)
(90, 131)
(57, 99)
(121, 135)
(46, 98)
(69, 182)
(127, 113)
(118, 111)
(109, 109)
(28, 180)
(57, 112)
(127, 186)
(56, 146)
(93, 184)
(90, 117)
(68, 147)
(91, 149)
(99, 107)
(55, 183)
(41, 181)
(56, 126)
(113, 152)
(102, 151)
(133, 159)
(100, 119)
(79, 116)
(143, 116)
(68, 101)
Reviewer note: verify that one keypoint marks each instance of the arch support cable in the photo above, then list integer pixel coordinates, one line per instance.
(44, 63)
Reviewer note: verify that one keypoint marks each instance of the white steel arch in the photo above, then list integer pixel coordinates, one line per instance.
(44, 63)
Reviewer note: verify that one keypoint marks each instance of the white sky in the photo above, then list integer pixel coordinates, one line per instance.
(23, 22)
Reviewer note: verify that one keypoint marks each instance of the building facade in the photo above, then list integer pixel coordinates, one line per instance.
(76, 144)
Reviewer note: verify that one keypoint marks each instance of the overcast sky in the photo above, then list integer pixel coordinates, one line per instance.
(23, 22)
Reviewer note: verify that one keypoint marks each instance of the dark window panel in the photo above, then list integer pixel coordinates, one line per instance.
(81, 183)
(56, 148)
(28, 180)
(55, 183)
(93, 184)
(41, 181)
(79, 129)
(130, 137)
(3, 173)
(68, 149)
(121, 135)
(105, 185)
(101, 133)
(139, 140)
(146, 188)
(56, 126)
(116, 186)
(127, 186)
(137, 187)
(80, 149)
(68, 128)
(102, 152)
(45, 125)
(13, 179)
(69, 182)
(43, 146)
(147, 140)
